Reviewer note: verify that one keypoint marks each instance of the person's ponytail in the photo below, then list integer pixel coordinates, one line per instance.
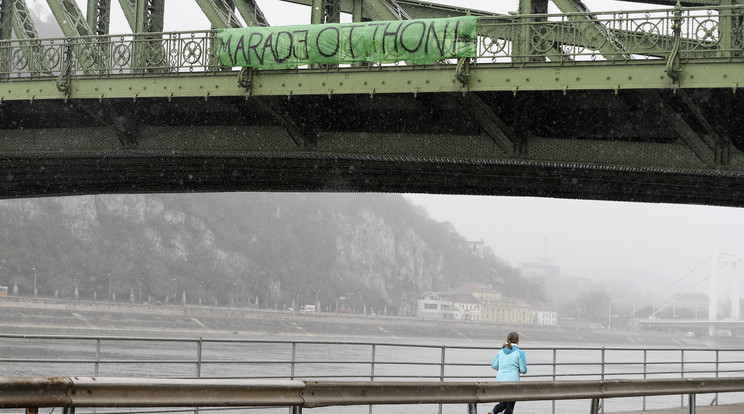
(512, 338)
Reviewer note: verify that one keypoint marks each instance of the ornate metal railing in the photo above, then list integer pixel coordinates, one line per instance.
(689, 33)
(672, 34)
(160, 54)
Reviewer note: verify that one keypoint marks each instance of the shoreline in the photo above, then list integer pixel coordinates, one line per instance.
(30, 315)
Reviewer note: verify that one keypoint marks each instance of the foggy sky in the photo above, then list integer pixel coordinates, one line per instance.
(652, 245)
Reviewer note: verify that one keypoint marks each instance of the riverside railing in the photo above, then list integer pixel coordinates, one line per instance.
(234, 358)
(72, 392)
(672, 34)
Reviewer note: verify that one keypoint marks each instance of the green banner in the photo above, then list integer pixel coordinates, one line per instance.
(414, 41)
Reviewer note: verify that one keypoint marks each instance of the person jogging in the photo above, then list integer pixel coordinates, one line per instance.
(510, 362)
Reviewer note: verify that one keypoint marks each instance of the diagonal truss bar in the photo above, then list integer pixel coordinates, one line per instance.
(500, 133)
(130, 10)
(608, 48)
(154, 15)
(220, 13)
(23, 24)
(144, 15)
(714, 141)
(384, 10)
(251, 13)
(70, 18)
(6, 19)
(277, 108)
(686, 133)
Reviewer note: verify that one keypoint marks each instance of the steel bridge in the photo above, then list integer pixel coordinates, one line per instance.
(637, 105)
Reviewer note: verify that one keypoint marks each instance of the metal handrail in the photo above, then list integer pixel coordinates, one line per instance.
(373, 361)
(34, 392)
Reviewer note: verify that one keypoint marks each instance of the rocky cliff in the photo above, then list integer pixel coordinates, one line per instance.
(354, 251)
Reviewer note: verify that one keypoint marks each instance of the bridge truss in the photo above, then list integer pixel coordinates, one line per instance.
(624, 105)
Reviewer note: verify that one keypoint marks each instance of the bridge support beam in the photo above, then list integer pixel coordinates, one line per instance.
(251, 13)
(501, 134)
(99, 16)
(686, 133)
(610, 47)
(524, 44)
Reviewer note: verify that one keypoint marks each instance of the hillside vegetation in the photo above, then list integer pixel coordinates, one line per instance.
(354, 251)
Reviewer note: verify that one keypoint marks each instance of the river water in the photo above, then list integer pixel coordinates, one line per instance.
(236, 356)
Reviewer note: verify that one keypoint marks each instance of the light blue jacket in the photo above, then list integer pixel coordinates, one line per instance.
(509, 363)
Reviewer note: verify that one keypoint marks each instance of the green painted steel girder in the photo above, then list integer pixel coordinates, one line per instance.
(251, 13)
(576, 11)
(23, 24)
(130, 10)
(6, 19)
(99, 16)
(220, 13)
(414, 9)
(144, 15)
(385, 80)
(69, 17)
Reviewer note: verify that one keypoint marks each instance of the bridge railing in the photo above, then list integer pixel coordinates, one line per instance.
(73, 392)
(616, 36)
(619, 36)
(162, 54)
(272, 360)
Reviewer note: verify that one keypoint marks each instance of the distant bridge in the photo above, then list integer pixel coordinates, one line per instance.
(622, 105)
(727, 327)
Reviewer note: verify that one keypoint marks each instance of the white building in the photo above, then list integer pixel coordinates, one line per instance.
(468, 307)
(432, 306)
(546, 317)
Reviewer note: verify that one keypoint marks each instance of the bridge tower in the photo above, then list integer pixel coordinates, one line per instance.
(735, 287)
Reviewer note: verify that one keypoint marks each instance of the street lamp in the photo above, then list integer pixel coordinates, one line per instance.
(35, 291)
(140, 290)
(200, 286)
(175, 291)
(316, 299)
(109, 278)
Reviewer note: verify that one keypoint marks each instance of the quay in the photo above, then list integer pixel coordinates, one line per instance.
(706, 409)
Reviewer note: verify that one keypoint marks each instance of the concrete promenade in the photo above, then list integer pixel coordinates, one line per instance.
(700, 409)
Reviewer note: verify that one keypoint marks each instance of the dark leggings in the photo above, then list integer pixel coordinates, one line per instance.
(506, 407)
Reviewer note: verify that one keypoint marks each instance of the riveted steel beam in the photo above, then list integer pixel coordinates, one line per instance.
(414, 9)
(125, 125)
(251, 13)
(220, 13)
(721, 146)
(497, 129)
(6, 33)
(384, 10)
(99, 16)
(130, 9)
(149, 15)
(69, 17)
(610, 46)
(483, 78)
(525, 41)
(278, 109)
(23, 24)
(686, 133)
(6, 19)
